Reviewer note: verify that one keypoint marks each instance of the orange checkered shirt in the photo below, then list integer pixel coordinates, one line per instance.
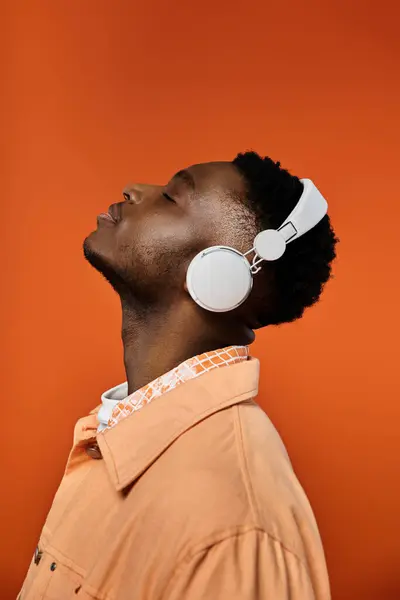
(191, 368)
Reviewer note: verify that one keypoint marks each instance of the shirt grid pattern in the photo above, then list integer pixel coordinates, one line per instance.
(191, 368)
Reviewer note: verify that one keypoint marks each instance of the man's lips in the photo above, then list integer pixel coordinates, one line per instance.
(115, 212)
(113, 215)
(106, 217)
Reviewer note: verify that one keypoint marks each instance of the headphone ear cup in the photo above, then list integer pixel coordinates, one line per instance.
(219, 279)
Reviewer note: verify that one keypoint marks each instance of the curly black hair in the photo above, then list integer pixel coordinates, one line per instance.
(299, 276)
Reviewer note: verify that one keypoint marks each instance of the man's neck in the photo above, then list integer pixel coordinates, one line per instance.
(154, 343)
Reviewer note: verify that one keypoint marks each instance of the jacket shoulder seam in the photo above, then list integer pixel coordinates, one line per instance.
(239, 437)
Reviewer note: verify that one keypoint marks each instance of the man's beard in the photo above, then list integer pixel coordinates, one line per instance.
(122, 282)
(117, 281)
(144, 291)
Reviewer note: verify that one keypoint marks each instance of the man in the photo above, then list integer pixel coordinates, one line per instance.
(179, 486)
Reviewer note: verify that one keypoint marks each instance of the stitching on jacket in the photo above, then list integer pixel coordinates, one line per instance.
(244, 466)
(225, 536)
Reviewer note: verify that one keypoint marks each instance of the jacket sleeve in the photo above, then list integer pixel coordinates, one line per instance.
(250, 566)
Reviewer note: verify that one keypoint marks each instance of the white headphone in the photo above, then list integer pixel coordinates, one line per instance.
(220, 278)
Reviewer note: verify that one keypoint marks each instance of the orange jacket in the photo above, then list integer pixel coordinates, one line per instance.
(193, 497)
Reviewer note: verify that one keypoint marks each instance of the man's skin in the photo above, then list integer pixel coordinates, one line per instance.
(145, 256)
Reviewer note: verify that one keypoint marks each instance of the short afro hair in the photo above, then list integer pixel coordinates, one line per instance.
(299, 276)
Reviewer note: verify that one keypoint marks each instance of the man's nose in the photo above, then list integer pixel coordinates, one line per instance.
(137, 192)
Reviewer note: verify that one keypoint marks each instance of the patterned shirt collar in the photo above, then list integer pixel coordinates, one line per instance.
(117, 405)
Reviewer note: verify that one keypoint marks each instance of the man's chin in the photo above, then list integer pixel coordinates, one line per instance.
(101, 264)
(91, 254)
(120, 280)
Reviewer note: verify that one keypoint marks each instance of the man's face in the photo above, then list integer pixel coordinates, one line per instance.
(145, 243)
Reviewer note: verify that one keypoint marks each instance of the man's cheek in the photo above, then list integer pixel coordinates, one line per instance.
(165, 239)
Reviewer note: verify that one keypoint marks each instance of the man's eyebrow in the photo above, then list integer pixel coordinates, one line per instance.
(186, 177)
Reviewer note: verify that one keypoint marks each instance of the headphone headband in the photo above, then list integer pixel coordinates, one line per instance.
(308, 212)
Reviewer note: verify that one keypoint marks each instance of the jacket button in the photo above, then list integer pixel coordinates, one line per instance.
(93, 451)
(53, 566)
(37, 556)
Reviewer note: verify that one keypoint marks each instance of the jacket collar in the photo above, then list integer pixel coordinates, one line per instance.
(138, 440)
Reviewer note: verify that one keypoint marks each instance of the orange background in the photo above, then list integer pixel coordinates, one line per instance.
(98, 93)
